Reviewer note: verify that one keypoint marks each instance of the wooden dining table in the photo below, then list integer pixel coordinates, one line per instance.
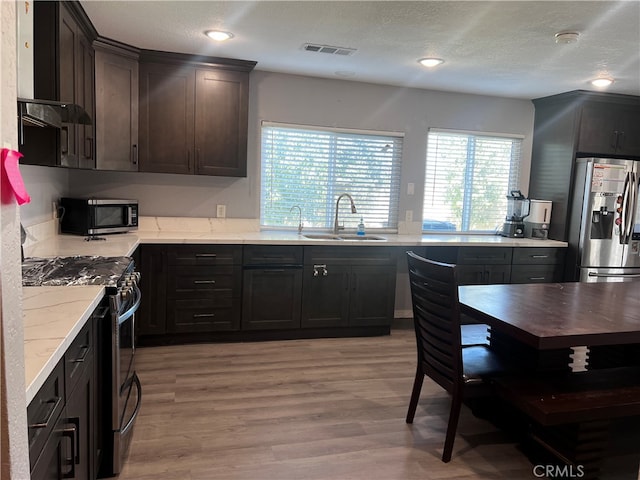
(539, 328)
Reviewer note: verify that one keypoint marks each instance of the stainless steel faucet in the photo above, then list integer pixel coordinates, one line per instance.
(337, 227)
(299, 217)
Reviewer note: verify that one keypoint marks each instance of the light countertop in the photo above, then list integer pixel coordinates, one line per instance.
(53, 320)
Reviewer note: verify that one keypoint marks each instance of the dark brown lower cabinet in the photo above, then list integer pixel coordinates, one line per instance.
(152, 314)
(325, 296)
(271, 298)
(62, 416)
(348, 287)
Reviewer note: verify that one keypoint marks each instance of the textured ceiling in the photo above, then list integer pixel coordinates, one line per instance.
(503, 48)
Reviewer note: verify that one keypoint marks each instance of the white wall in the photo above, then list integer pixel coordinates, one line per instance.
(312, 101)
(14, 450)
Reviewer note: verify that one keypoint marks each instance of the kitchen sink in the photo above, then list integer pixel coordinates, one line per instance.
(322, 236)
(346, 236)
(361, 237)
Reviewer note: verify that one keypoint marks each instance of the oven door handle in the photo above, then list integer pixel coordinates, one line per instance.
(126, 315)
(134, 414)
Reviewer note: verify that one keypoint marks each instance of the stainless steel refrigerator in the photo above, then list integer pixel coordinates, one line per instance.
(604, 234)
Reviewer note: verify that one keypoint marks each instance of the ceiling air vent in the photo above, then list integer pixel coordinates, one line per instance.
(312, 47)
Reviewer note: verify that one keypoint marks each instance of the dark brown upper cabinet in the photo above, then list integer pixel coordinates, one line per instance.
(64, 71)
(193, 114)
(573, 125)
(116, 106)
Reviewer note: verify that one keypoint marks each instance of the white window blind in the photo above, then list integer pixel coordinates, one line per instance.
(310, 167)
(468, 176)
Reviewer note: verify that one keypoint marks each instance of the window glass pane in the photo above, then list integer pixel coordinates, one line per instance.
(467, 179)
(311, 168)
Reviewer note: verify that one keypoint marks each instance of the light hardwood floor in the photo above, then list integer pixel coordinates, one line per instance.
(322, 409)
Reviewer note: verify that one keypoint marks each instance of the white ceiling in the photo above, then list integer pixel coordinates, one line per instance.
(503, 48)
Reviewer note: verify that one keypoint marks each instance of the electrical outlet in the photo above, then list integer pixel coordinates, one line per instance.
(221, 211)
(408, 216)
(411, 188)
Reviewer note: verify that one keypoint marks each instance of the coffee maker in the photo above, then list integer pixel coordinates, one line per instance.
(537, 223)
(517, 210)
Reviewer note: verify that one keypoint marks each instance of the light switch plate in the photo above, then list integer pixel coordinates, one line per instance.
(221, 211)
(408, 216)
(411, 188)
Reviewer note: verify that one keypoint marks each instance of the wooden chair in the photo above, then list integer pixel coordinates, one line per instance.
(460, 370)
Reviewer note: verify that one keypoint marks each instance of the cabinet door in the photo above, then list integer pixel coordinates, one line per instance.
(151, 315)
(325, 296)
(80, 412)
(55, 462)
(85, 88)
(628, 128)
(372, 295)
(597, 129)
(271, 298)
(498, 274)
(116, 111)
(483, 274)
(221, 115)
(166, 118)
(68, 53)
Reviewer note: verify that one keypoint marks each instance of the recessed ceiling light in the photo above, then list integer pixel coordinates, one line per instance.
(218, 35)
(430, 62)
(566, 38)
(602, 82)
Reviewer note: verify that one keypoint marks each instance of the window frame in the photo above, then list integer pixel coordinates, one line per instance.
(514, 177)
(334, 190)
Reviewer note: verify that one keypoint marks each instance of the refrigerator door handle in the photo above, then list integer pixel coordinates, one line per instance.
(614, 275)
(626, 219)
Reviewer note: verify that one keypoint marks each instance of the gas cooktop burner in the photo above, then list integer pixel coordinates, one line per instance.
(79, 270)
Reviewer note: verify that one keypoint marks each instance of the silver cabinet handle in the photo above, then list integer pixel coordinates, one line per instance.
(206, 255)
(320, 270)
(204, 315)
(45, 424)
(204, 282)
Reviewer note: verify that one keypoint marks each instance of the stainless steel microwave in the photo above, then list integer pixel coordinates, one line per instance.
(95, 216)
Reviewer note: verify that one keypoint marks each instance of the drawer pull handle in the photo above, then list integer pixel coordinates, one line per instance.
(45, 424)
(83, 357)
(204, 315)
(70, 432)
(204, 282)
(539, 256)
(206, 255)
(536, 278)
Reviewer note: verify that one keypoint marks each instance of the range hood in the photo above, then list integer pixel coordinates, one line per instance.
(49, 113)
(38, 113)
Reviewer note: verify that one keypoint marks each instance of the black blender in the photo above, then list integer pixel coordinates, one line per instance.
(517, 209)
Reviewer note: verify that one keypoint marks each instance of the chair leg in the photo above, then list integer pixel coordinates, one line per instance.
(415, 395)
(454, 415)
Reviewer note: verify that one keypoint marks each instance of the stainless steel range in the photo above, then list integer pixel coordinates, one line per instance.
(122, 392)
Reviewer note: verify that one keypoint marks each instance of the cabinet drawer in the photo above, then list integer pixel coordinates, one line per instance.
(272, 255)
(44, 411)
(538, 256)
(204, 281)
(190, 316)
(205, 255)
(350, 255)
(484, 256)
(536, 274)
(77, 357)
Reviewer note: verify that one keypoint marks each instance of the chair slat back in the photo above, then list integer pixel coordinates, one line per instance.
(436, 314)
